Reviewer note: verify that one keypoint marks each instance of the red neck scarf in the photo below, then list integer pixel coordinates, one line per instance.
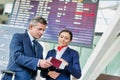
(60, 47)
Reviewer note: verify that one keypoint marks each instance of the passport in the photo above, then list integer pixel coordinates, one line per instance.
(57, 63)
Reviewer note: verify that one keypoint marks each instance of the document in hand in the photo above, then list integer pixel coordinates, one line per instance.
(57, 63)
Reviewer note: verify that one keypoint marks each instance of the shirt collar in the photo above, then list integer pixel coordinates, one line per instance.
(30, 36)
(56, 48)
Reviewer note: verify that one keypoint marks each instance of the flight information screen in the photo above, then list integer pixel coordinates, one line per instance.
(79, 16)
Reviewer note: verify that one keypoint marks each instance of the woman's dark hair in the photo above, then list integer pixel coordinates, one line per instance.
(68, 31)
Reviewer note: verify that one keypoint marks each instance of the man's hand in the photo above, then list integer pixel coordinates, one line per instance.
(44, 63)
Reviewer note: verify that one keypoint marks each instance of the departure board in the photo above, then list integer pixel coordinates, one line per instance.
(79, 16)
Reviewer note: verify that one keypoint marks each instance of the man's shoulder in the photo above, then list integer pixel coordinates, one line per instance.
(19, 35)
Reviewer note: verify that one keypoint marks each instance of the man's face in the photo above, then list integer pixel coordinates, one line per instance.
(37, 31)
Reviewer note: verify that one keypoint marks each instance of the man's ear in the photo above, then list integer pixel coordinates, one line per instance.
(30, 27)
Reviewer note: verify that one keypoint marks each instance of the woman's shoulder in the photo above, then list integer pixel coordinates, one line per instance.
(72, 50)
(52, 50)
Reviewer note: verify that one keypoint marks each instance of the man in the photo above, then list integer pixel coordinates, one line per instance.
(26, 56)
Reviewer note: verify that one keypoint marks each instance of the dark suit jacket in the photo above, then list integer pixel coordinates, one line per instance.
(72, 57)
(22, 59)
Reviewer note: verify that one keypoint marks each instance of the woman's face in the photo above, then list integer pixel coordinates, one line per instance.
(64, 39)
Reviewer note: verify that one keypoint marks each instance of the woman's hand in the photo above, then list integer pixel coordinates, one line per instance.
(64, 61)
(53, 74)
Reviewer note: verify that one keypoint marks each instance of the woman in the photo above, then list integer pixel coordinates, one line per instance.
(65, 54)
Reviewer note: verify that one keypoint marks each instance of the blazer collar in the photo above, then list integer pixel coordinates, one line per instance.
(28, 38)
(67, 51)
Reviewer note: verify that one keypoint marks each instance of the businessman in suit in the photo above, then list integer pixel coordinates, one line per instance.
(26, 56)
(68, 56)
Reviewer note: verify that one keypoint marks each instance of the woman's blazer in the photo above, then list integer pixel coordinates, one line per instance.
(72, 57)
